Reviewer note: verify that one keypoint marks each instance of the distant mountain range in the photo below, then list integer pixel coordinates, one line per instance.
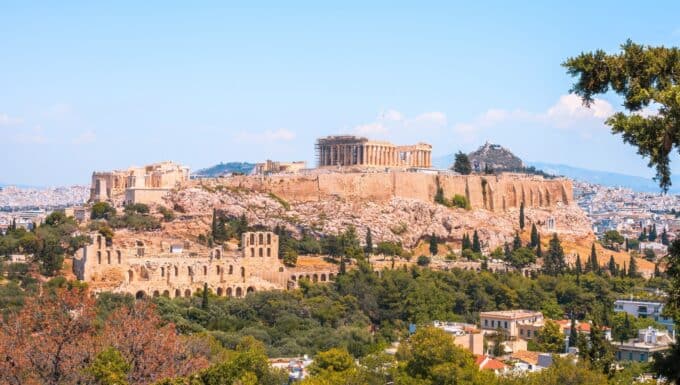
(225, 169)
(606, 178)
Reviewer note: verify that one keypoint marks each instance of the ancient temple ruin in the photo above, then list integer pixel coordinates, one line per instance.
(146, 184)
(347, 150)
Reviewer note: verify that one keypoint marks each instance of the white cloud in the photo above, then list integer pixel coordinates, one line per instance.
(6, 120)
(34, 136)
(392, 115)
(434, 118)
(84, 138)
(266, 136)
(375, 128)
(390, 121)
(567, 112)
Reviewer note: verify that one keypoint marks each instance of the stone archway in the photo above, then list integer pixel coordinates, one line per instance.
(220, 291)
(166, 293)
(178, 293)
(187, 293)
(239, 292)
(250, 289)
(229, 292)
(140, 294)
(156, 294)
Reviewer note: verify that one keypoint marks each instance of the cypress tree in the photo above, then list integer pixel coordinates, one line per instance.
(343, 266)
(573, 333)
(594, 264)
(664, 237)
(534, 235)
(612, 266)
(369, 242)
(539, 251)
(476, 246)
(204, 300)
(643, 235)
(652, 233)
(507, 253)
(516, 242)
(521, 215)
(433, 244)
(466, 242)
(553, 262)
(623, 273)
(632, 268)
(626, 244)
(578, 268)
(214, 223)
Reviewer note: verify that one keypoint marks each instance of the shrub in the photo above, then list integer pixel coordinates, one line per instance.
(460, 201)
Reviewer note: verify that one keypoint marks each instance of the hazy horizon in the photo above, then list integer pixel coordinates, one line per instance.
(106, 86)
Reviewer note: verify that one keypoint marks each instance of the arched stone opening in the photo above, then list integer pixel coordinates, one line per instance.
(187, 293)
(293, 278)
(331, 276)
(156, 293)
(315, 278)
(250, 290)
(178, 293)
(229, 292)
(119, 256)
(140, 294)
(323, 277)
(99, 257)
(220, 291)
(108, 257)
(166, 293)
(239, 292)
(231, 269)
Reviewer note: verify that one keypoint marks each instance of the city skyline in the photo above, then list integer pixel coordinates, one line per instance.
(207, 84)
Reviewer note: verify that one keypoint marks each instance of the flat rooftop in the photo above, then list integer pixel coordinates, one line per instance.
(511, 314)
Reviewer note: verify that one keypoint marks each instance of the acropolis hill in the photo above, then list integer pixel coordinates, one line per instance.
(366, 184)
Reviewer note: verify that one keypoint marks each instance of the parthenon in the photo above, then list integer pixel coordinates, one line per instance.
(347, 150)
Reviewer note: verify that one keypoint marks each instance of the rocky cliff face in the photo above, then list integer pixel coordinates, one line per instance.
(398, 219)
(498, 193)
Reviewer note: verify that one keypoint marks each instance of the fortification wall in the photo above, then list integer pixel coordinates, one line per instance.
(491, 192)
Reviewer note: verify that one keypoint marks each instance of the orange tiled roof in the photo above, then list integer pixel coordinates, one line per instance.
(488, 363)
(525, 356)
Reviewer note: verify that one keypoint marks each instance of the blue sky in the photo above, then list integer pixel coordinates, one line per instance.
(103, 85)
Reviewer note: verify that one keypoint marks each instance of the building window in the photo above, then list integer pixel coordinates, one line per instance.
(486, 322)
(505, 324)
